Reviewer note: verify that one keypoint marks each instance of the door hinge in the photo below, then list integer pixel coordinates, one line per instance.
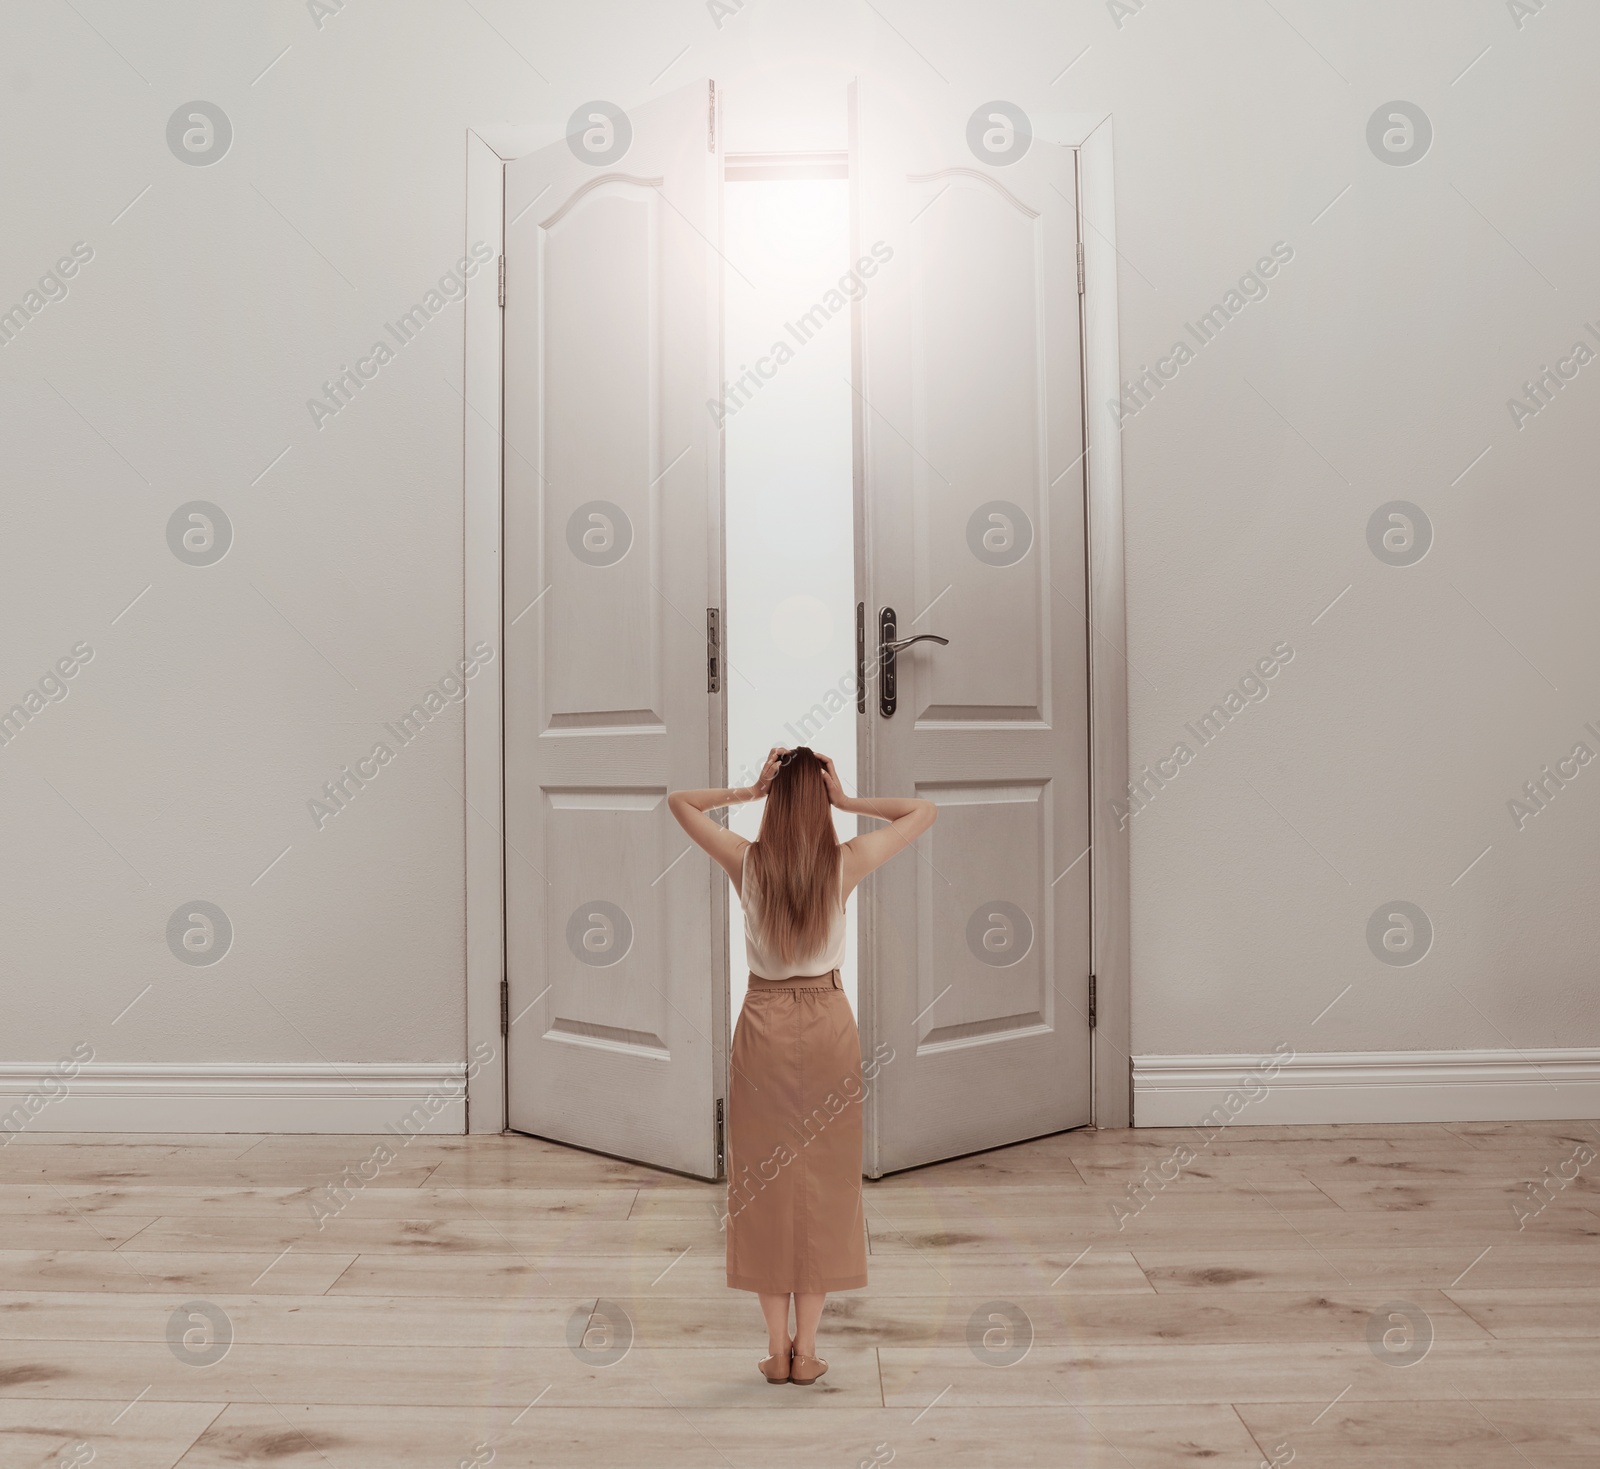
(719, 1138)
(1080, 267)
(713, 651)
(1092, 998)
(861, 657)
(505, 1007)
(503, 280)
(711, 117)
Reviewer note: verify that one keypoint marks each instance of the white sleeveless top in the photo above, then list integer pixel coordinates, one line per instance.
(830, 956)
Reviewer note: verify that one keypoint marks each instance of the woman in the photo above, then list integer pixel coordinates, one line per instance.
(795, 1227)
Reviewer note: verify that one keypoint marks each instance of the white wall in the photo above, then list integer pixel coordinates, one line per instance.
(1378, 368)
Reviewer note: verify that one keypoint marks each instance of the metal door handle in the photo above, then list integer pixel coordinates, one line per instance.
(888, 647)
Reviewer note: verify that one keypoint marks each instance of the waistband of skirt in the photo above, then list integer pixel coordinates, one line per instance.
(803, 982)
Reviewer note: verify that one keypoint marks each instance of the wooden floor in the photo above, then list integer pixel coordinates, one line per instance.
(1263, 1306)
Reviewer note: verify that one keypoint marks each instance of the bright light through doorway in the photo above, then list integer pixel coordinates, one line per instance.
(790, 635)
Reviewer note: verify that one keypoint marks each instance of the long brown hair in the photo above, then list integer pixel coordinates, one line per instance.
(795, 860)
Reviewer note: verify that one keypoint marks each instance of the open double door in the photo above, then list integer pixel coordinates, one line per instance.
(975, 948)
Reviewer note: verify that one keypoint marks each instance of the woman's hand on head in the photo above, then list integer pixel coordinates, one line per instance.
(830, 779)
(768, 771)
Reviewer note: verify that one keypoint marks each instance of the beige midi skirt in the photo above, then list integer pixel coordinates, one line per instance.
(795, 1219)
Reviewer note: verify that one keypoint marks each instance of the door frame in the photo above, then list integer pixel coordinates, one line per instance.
(483, 815)
(483, 810)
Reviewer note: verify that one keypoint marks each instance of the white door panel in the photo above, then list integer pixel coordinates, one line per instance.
(615, 938)
(975, 950)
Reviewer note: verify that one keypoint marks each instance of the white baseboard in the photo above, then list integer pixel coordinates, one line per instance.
(355, 1097)
(1169, 1091)
(1370, 1086)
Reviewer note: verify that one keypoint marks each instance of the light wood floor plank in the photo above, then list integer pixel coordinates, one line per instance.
(461, 1231)
(1241, 1373)
(788, 1427)
(295, 1273)
(231, 1143)
(1201, 1319)
(39, 1433)
(1494, 1433)
(105, 1166)
(1162, 1225)
(1416, 1267)
(70, 1230)
(486, 1376)
(1568, 1311)
(1492, 1190)
(1222, 1200)
(702, 1272)
(372, 1201)
(713, 1320)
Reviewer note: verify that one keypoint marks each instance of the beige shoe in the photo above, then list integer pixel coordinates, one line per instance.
(804, 1370)
(776, 1367)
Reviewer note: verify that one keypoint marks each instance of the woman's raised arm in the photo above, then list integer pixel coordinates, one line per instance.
(908, 818)
(690, 807)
